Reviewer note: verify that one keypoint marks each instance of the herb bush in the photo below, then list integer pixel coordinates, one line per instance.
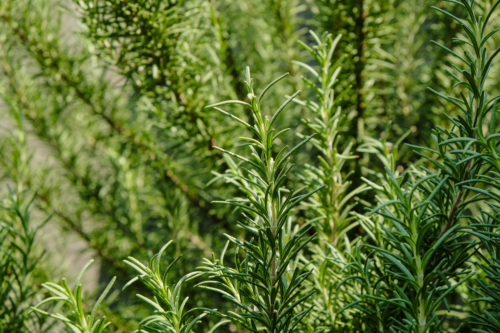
(359, 192)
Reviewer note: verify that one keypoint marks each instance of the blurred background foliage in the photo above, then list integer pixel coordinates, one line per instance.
(103, 119)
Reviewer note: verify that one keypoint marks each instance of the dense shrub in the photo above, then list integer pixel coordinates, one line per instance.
(359, 192)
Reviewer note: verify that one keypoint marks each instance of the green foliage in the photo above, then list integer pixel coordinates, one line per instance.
(80, 321)
(488, 289)
(265, 287)
(19, 261)
(332, 204)
(422, 255)
(331, 207)
(103, 114)
(167, 302)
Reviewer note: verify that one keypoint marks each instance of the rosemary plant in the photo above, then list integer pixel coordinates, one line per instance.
(79, 321)
(170, 316)
(331, 207)
(265, 286)
(422, 256)
(114, 117)
(19, 261)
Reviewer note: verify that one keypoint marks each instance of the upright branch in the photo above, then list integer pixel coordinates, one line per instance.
(331, 206)
(265, 287)
(474, 104)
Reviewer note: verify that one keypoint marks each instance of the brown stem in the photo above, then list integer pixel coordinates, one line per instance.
(360, 64)
(452, 214)
(457, 203)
